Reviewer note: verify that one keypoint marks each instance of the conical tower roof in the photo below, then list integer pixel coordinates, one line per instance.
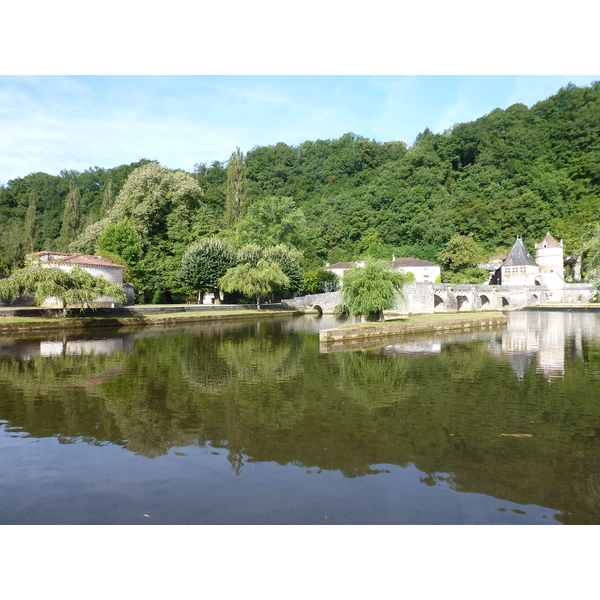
(548, 242)
(519, 256)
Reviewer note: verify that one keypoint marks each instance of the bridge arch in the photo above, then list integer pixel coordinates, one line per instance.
(317, 308)
(505, 301)
(462, 303)
(485, 301)
(438, 303)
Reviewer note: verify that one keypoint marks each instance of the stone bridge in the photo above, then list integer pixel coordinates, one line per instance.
(323, 303)
(424, 298)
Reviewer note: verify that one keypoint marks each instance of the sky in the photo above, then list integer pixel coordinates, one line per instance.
(188, 83)
(55, 122)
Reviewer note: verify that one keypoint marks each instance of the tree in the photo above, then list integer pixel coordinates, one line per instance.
(74, 287)
(31, 223)
(289, 260)
(14, 244)
(72, 215)
(203, 265)
(270, 221)
(254, 281)
(160, 206)
(459, 260)
(122, 239)
(3, 266)
(371, 289)
(108, 198)
(591, 252)
(236, 196)
(320, 280)
(371, 245)
(250, 254)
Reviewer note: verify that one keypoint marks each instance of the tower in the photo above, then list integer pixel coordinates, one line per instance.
(550, 258)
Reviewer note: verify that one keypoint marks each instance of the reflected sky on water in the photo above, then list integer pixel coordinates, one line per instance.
(252, 422)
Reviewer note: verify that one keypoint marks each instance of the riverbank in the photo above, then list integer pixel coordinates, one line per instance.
(411, 325)
(11, 324)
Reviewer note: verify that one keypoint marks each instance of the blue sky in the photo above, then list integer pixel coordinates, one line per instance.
(186, 83)
(50, 123)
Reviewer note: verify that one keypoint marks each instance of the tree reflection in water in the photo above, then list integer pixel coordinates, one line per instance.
(266, 394)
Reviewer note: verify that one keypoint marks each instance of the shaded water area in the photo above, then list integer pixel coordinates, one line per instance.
(254, 422)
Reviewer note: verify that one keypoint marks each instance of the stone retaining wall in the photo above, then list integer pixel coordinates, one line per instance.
(375, 330)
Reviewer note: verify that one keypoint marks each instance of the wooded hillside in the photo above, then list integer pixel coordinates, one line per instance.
(516, 171)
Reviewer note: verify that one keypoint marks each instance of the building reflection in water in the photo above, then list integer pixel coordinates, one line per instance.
(542, 336)
(28, 349)
(426, 347)
(84, 347)
(529, 336)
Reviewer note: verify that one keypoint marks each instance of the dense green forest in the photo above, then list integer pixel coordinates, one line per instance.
(516, 171)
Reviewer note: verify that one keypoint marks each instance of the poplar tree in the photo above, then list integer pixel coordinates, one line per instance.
(108, 199)
(236, 196)
(72, 215)
(31, 223)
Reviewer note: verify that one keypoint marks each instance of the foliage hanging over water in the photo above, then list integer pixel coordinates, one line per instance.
(373, 288)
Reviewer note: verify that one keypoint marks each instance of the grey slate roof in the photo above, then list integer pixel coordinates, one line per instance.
(519, 256)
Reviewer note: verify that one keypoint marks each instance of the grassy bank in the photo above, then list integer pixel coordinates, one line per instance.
(9, 324)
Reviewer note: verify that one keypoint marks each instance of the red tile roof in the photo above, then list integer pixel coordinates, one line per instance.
(412, 262)
(64, 258)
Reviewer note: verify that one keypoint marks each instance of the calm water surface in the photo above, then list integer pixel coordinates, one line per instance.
(255, 423)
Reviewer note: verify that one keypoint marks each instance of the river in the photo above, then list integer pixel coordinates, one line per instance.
(253, 422)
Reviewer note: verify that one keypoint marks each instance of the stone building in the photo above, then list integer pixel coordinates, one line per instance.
(520, 268)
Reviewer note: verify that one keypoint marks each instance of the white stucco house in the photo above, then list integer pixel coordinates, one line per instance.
(340, 268)
(94, 265)
(423, 270)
